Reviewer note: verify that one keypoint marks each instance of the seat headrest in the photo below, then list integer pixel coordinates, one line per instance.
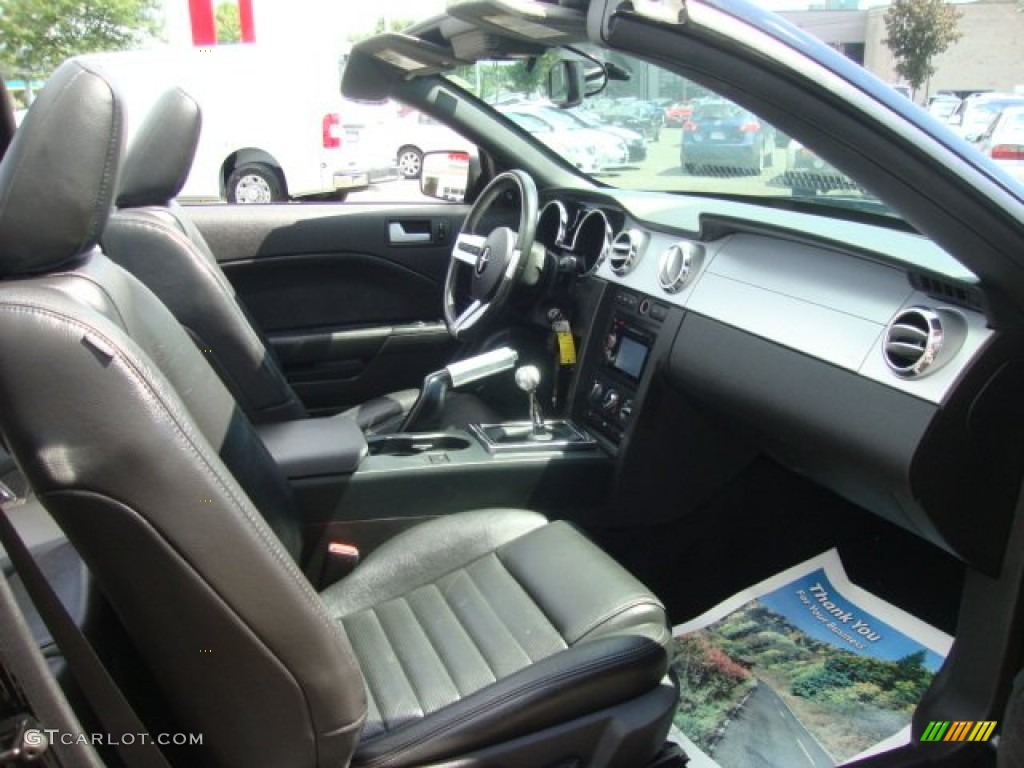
(160, 156)
(60, 173)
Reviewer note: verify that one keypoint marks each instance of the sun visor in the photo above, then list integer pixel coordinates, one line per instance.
(377, 64)
(546, 23)
(473, 43)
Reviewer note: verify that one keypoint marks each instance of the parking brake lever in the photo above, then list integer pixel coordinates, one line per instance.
(426, 412)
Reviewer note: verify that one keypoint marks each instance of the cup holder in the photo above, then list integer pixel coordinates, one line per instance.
(413, 444)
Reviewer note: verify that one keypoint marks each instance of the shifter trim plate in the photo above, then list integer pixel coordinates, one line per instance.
(575, 438)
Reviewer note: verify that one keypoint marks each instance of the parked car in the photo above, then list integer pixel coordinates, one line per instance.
(583, 155)
(609, 150)
(722, 137)
(635, 142)
(1003, 141)
(415, 134)
(942, 105)
(636, 114)
(808, 175)
(677, 114)
(976, 112)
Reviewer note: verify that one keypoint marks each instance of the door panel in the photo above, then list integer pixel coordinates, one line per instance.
(349, 296)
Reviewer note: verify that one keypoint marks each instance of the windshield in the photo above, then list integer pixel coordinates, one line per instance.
(651, 129)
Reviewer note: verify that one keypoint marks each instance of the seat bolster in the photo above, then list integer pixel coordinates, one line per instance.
(150, 243)
(423, 554)
(582, 590)
(565, 686)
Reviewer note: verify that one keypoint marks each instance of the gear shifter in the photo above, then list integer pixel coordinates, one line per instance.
(528, 379)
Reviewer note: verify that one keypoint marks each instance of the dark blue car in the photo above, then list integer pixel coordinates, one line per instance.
(720, 137)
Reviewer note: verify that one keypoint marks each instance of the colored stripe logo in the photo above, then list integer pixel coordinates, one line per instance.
(959, 730)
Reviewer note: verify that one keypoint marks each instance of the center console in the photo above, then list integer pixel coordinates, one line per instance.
(618, 358)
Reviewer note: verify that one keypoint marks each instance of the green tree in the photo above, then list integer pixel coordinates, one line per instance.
(388, 24)
(529, 76)
(383, 24)
(919, 30)
(229, 28)
(37, 35)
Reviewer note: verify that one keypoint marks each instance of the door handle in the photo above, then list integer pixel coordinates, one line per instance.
(405, 232)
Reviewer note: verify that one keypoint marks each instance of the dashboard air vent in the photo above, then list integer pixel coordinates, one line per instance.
(677, 265)
(625, 251)
(920, 340)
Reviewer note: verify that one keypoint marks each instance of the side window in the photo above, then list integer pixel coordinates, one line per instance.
(402, 137)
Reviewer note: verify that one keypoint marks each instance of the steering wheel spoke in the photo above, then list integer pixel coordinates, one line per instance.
(468, 247)
(469, 317)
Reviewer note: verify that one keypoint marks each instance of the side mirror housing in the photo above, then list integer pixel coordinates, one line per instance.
(445, 175)
(566, 84)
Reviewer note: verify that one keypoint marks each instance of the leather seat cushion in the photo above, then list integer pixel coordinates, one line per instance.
(483, 626)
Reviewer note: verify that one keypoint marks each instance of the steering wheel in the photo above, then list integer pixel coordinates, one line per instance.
(498, 259)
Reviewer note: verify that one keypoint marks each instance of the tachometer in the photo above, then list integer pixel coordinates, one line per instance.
(553, 224)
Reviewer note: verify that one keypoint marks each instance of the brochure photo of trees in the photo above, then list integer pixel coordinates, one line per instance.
(798, 675)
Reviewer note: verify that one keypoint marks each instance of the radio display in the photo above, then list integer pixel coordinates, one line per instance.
(630, 357)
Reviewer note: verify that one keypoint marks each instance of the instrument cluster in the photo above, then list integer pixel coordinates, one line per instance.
(582, 231)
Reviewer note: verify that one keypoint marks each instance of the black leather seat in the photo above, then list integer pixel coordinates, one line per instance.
(152, 237)
(485, 638)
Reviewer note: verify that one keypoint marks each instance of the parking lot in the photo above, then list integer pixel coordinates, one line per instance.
(660, 170)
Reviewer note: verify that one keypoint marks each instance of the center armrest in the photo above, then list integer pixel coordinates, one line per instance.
(332, 445)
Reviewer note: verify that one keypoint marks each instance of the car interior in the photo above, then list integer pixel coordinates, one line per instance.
(429, 483)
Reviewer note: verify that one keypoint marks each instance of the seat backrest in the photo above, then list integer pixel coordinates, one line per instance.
(139, 452)
(154, 239)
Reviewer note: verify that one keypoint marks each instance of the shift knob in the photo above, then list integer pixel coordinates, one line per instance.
(528, 378)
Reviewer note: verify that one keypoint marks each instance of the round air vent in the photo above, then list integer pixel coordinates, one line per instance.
(625, 251)
(920, 340)
(677, 265)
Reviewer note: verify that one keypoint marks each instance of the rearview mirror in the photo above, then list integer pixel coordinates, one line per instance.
(445, 175)
(566, 84)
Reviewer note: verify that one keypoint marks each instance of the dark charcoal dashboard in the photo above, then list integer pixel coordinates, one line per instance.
(856, 355)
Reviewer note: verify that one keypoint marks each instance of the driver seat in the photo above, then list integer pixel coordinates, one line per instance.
(152, 237)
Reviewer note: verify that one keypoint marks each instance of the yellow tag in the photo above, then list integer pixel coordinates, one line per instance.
(566, 348)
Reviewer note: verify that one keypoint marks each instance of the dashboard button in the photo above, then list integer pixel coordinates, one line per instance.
(611, 399)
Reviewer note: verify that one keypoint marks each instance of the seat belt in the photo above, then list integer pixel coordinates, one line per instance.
(108, 703)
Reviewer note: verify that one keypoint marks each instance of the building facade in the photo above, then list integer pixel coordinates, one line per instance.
(989, 56)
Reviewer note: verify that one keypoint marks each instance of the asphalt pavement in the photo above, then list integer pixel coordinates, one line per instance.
(766, 734)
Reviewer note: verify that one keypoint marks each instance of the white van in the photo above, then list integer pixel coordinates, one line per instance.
(275, 126)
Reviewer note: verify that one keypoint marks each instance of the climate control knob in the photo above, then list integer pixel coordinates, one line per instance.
(626, 411)
(611, 399)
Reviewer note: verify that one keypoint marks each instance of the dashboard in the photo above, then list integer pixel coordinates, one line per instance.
(857, 355)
